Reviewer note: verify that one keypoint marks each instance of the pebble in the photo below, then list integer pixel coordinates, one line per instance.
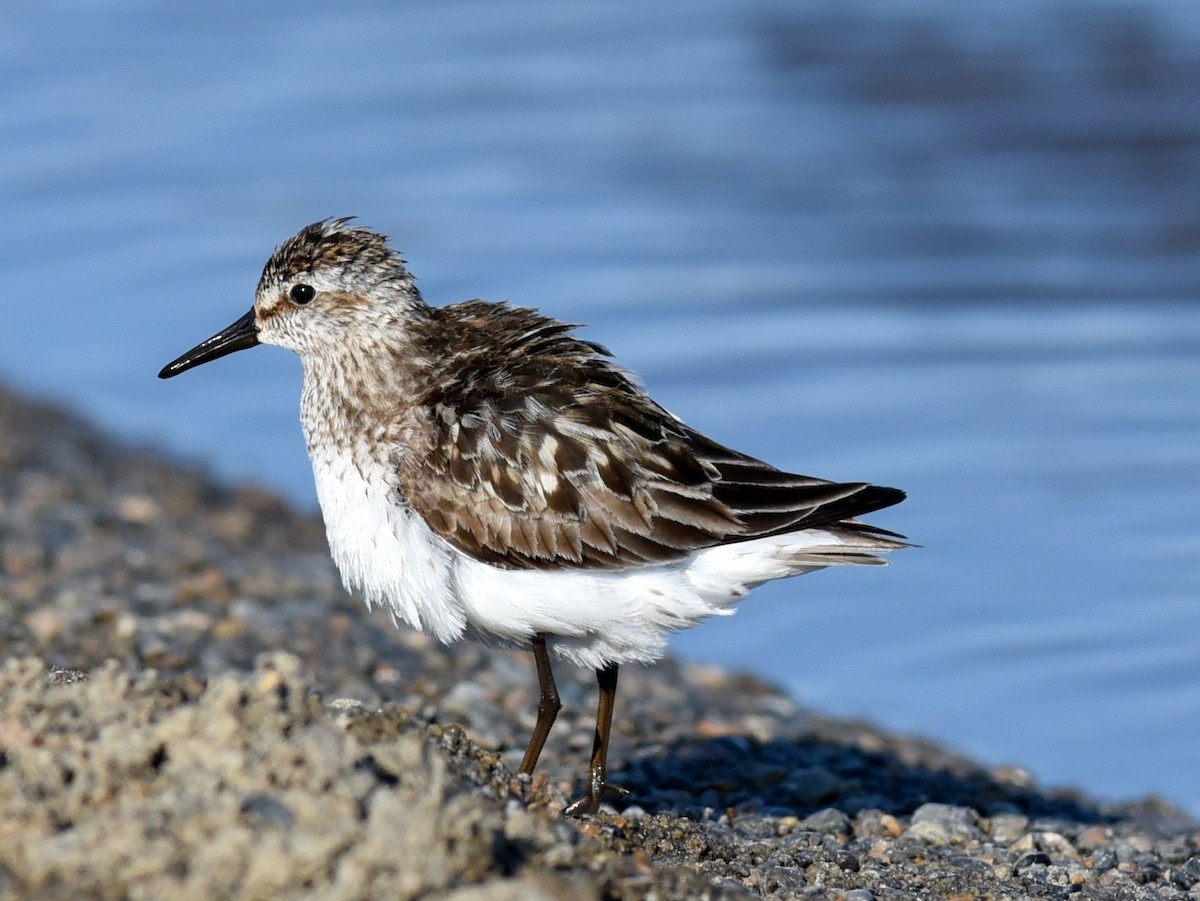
(944, 824)
(830, 821)
(261, 809)
(1006, 828)
(809, 785)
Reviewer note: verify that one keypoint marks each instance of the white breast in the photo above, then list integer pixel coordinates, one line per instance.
(383, 549)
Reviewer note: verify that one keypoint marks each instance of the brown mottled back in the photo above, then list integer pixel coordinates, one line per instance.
(543, 454)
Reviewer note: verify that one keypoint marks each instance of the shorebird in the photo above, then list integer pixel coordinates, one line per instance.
(484, 473)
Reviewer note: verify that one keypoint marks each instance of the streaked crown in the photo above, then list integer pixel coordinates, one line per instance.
(326, 278)
(346, 257)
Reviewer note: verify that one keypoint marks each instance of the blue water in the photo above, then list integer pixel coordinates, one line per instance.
(929, 244)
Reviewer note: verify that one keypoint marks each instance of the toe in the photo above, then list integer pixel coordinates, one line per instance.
(591, 801)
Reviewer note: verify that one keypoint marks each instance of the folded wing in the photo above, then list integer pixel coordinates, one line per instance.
(550, 457)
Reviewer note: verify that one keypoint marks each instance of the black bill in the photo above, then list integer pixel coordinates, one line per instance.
(239, 336)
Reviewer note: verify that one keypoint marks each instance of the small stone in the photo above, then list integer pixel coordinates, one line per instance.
(125, 627)
(190, 620)
(1192, 868)
(944, 824)
(809, 785)
(59, 676)
(138, 509)
(786, 825)
(386, 674)
(876, 824)
(1016, 776)
(1132, 846)
(831, 821)
(520, 826)
(847, 860)
(261, 809)
(1178, 878)
(1032, 859)
(1147, 872)
(268, 681)
(346, 711)
(970, 865)
(782, 881)
(46, 624)
(1006, 828)
(1093, 837)
(1050, 842)
(1056, 875)
(1111, 878)
(228, 627)
(560, 857)
(464, 699)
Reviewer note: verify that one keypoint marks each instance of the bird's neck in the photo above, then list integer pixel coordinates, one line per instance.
(359, 399)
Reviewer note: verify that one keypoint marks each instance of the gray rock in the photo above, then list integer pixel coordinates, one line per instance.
(944, 824)
(810, 785)
(830, 821)
(1051, 842)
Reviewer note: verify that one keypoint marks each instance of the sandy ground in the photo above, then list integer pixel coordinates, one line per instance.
(191, 707)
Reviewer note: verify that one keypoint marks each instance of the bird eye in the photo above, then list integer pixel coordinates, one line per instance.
(302, 294)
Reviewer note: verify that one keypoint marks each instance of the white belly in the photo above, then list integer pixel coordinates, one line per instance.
(390, 556)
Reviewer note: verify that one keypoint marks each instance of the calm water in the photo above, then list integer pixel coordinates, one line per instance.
(929, 246)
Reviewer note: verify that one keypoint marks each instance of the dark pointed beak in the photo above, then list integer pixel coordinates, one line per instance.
(239, 336)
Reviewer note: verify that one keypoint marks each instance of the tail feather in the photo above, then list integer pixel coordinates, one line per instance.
(856, 544)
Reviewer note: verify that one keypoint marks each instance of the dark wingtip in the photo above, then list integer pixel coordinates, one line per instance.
(888, 496)
(874, 497)
(870, 499)
(867, 499)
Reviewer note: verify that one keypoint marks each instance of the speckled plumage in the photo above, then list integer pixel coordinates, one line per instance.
(486, 473)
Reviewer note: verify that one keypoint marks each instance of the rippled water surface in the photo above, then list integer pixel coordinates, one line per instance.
(921, 243)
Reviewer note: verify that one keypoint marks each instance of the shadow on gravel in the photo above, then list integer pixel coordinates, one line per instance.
(799, 778)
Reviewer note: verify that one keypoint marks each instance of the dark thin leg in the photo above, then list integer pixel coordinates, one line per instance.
(548, 705)
(606, 679)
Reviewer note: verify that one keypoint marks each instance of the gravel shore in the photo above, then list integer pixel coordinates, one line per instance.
(191, 707)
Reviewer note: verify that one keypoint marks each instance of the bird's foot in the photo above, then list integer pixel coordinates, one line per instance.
(527, 787)
(593, 798)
